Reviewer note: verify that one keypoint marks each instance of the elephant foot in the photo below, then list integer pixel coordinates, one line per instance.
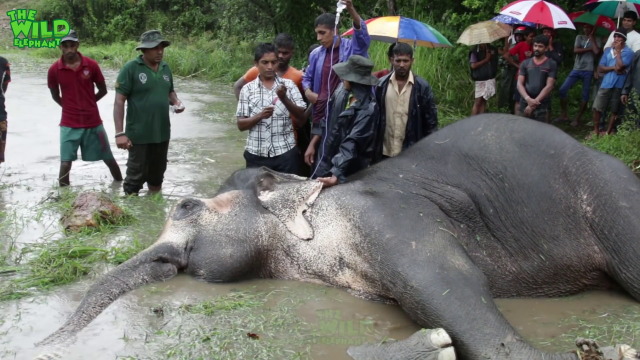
(589, 350)
(426, 344)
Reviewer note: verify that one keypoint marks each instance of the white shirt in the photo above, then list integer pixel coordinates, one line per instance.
(633, 41)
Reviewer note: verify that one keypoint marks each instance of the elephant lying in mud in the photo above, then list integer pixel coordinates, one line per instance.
(494, 206)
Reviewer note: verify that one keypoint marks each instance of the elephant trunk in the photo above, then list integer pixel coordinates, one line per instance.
(157, 263)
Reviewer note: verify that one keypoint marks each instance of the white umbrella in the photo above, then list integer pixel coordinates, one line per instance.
(539, 12)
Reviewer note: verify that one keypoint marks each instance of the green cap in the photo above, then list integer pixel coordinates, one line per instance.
(151, 39)
(357, 69)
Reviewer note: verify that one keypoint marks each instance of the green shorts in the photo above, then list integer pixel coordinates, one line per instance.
(92, 142)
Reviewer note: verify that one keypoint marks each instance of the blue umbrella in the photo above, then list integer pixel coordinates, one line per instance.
(506, 19)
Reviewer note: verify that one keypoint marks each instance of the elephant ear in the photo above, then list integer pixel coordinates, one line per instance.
(287, 197)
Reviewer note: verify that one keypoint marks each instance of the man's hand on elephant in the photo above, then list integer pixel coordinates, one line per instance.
(328, 181)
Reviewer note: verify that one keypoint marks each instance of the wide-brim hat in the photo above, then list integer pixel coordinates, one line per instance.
(151, 39)
(356, 69)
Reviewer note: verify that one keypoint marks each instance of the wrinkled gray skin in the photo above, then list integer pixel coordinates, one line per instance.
(494, 206)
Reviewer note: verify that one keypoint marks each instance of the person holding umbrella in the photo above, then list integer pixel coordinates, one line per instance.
(586, 48)
(629, 20)
(484, 67)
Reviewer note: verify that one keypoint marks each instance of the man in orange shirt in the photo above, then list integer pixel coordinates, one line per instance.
(284, 45)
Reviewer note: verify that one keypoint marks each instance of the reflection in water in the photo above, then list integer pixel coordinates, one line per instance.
(203, 152)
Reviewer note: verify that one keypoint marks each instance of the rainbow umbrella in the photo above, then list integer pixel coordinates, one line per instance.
(392, 29)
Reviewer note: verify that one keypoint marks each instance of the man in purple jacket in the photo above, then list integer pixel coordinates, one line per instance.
(319, 80)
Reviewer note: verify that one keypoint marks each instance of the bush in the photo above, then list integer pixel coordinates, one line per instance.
(625, 144)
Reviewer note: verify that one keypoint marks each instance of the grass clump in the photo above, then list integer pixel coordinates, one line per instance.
(246, 324)
(625, 144)
(58, 258)
(609, 329)
(62, 261)
(233, 301)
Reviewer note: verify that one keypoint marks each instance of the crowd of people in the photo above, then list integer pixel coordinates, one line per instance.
(336, 116)
(608, 73)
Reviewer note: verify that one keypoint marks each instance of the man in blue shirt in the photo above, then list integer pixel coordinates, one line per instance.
(614, 64)
(319, 81)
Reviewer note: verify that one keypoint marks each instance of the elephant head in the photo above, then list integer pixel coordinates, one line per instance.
(221, 239)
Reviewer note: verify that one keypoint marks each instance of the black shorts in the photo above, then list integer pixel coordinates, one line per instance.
(146, 164)
(288, 162)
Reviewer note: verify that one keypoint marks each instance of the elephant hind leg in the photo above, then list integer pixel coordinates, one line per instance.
(432, 344)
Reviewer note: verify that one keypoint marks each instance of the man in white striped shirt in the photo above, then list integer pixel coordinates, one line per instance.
(265, 108)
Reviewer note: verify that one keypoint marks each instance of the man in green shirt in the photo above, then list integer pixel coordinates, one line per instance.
(146, 83)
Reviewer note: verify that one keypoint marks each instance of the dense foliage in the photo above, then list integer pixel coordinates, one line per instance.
(215, 39)
(106, 21)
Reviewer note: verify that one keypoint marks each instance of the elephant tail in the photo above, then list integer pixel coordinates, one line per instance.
(157, 263)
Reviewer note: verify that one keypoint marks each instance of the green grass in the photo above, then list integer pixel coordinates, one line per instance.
(58, 258)
(621, 326)
(202, 57)
(219, 328)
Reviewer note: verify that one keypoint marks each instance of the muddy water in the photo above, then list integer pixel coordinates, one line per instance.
(205, 149)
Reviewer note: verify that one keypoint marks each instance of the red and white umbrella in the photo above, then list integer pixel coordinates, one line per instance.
(539, 12)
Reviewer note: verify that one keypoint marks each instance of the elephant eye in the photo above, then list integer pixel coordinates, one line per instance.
(187, 208)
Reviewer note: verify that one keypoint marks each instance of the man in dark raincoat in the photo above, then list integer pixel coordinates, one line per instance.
(346, 146)
(407, 107)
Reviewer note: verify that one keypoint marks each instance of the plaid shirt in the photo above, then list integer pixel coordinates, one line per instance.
(273, 136)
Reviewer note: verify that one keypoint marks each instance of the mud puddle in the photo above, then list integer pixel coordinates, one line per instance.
(183, 318)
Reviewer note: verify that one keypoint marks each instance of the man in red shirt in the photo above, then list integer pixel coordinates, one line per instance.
(384, 72)
(81, 125)
(524, 50)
